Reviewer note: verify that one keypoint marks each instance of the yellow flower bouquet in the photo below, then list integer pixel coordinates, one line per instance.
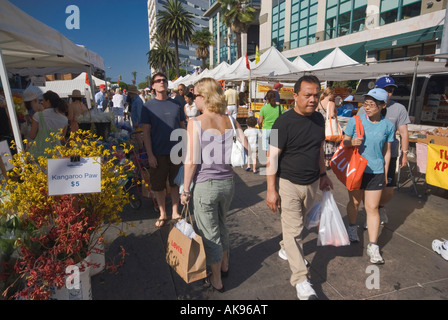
(51, 233)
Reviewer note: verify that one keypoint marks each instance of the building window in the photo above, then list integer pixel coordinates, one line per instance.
(223, 56)
(278, 24)
(303, 22)
(215, 39)
(344, 17)
(396, 10)
(426, 48)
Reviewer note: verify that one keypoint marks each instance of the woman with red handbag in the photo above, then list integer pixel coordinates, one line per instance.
(379, 133)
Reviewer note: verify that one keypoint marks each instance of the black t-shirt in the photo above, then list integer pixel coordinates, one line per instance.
(180, 98)
(300, 139)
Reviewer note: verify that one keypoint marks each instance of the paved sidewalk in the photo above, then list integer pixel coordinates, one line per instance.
(412, 270)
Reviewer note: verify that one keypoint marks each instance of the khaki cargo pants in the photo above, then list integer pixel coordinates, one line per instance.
(296, 201)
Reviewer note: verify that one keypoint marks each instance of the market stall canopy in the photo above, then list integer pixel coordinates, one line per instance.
(273, 64)
(64, 88)
(28, 45)
(302, 64)
(219, 70)
(378, 69)
(336, 58)
(236, 71)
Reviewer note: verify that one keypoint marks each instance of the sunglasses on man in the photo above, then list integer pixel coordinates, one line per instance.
(160, 80)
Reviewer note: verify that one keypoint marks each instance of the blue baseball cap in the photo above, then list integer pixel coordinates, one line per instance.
(378, 94)
(384, 82)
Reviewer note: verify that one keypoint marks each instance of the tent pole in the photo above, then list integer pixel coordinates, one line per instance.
(92, 89)
(10, 104)
(411, 98)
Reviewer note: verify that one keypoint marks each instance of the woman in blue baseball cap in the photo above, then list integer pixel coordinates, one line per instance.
(379, 133)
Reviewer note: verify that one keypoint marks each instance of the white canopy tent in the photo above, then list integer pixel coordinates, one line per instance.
(29, 47)
(273, 64)
(378, 69)
(302, 64)
(236, 71)
(64, 88)
(219, 70)
(336, 58)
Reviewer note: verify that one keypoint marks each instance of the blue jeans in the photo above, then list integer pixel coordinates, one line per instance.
(212, 199)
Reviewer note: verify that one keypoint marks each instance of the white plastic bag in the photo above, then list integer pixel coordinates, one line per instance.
(313, 216)
(238, 157)
(332, 230)
(186, 228)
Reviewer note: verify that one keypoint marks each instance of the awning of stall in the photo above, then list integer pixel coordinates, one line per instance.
(432, 33)
(29, 47)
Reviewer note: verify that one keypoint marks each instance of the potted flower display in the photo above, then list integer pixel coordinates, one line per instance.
(42, 235)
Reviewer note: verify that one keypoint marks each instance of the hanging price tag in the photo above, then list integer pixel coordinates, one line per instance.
(66, 176)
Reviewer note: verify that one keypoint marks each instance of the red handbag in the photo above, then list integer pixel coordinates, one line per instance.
(347, 164)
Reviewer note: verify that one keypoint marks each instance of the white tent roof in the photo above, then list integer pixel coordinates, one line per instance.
(29, 47)
(301, 63)
(65, 87)
(375, 70)
(273, 63)
(336, 58)
(26, 43)
(236, 71)
(219, 71)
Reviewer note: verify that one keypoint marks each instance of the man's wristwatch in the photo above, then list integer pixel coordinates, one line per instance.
(406, 152)
(322, 175)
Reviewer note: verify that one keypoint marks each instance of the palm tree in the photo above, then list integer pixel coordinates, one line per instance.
(175, 24)
(134, 75)
(238, 15)
(161, 57)
(203, 39)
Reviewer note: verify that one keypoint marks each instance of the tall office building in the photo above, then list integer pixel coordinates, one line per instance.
(366, 30)
(187, 53)
(225, 48)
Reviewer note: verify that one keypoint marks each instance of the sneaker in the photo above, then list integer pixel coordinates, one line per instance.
(441, 247)
(282, 254)
(353, 233)
(373, 251)
(305, 291)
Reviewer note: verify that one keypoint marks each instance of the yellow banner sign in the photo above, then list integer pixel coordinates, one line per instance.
(265, 88)
(437, 166)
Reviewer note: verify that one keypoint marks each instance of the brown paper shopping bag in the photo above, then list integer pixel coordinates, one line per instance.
(186, 256)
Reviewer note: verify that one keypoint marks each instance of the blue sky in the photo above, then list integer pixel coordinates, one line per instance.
(116, 30)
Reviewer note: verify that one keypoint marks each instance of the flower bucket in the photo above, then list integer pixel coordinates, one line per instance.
(85, 125)
(102, 129)
(81, 291)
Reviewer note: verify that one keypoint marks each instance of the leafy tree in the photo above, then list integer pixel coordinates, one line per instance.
(161, 57)
(203, 39)
(175, 24)
(238, 15)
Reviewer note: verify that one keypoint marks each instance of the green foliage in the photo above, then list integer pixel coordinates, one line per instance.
(174, 23)
(203, 39)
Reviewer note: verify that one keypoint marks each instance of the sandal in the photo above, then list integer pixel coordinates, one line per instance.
(160, 223)
(176, 220)
(247, 169)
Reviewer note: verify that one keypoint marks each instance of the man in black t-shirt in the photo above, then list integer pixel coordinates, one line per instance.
(296, 168)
